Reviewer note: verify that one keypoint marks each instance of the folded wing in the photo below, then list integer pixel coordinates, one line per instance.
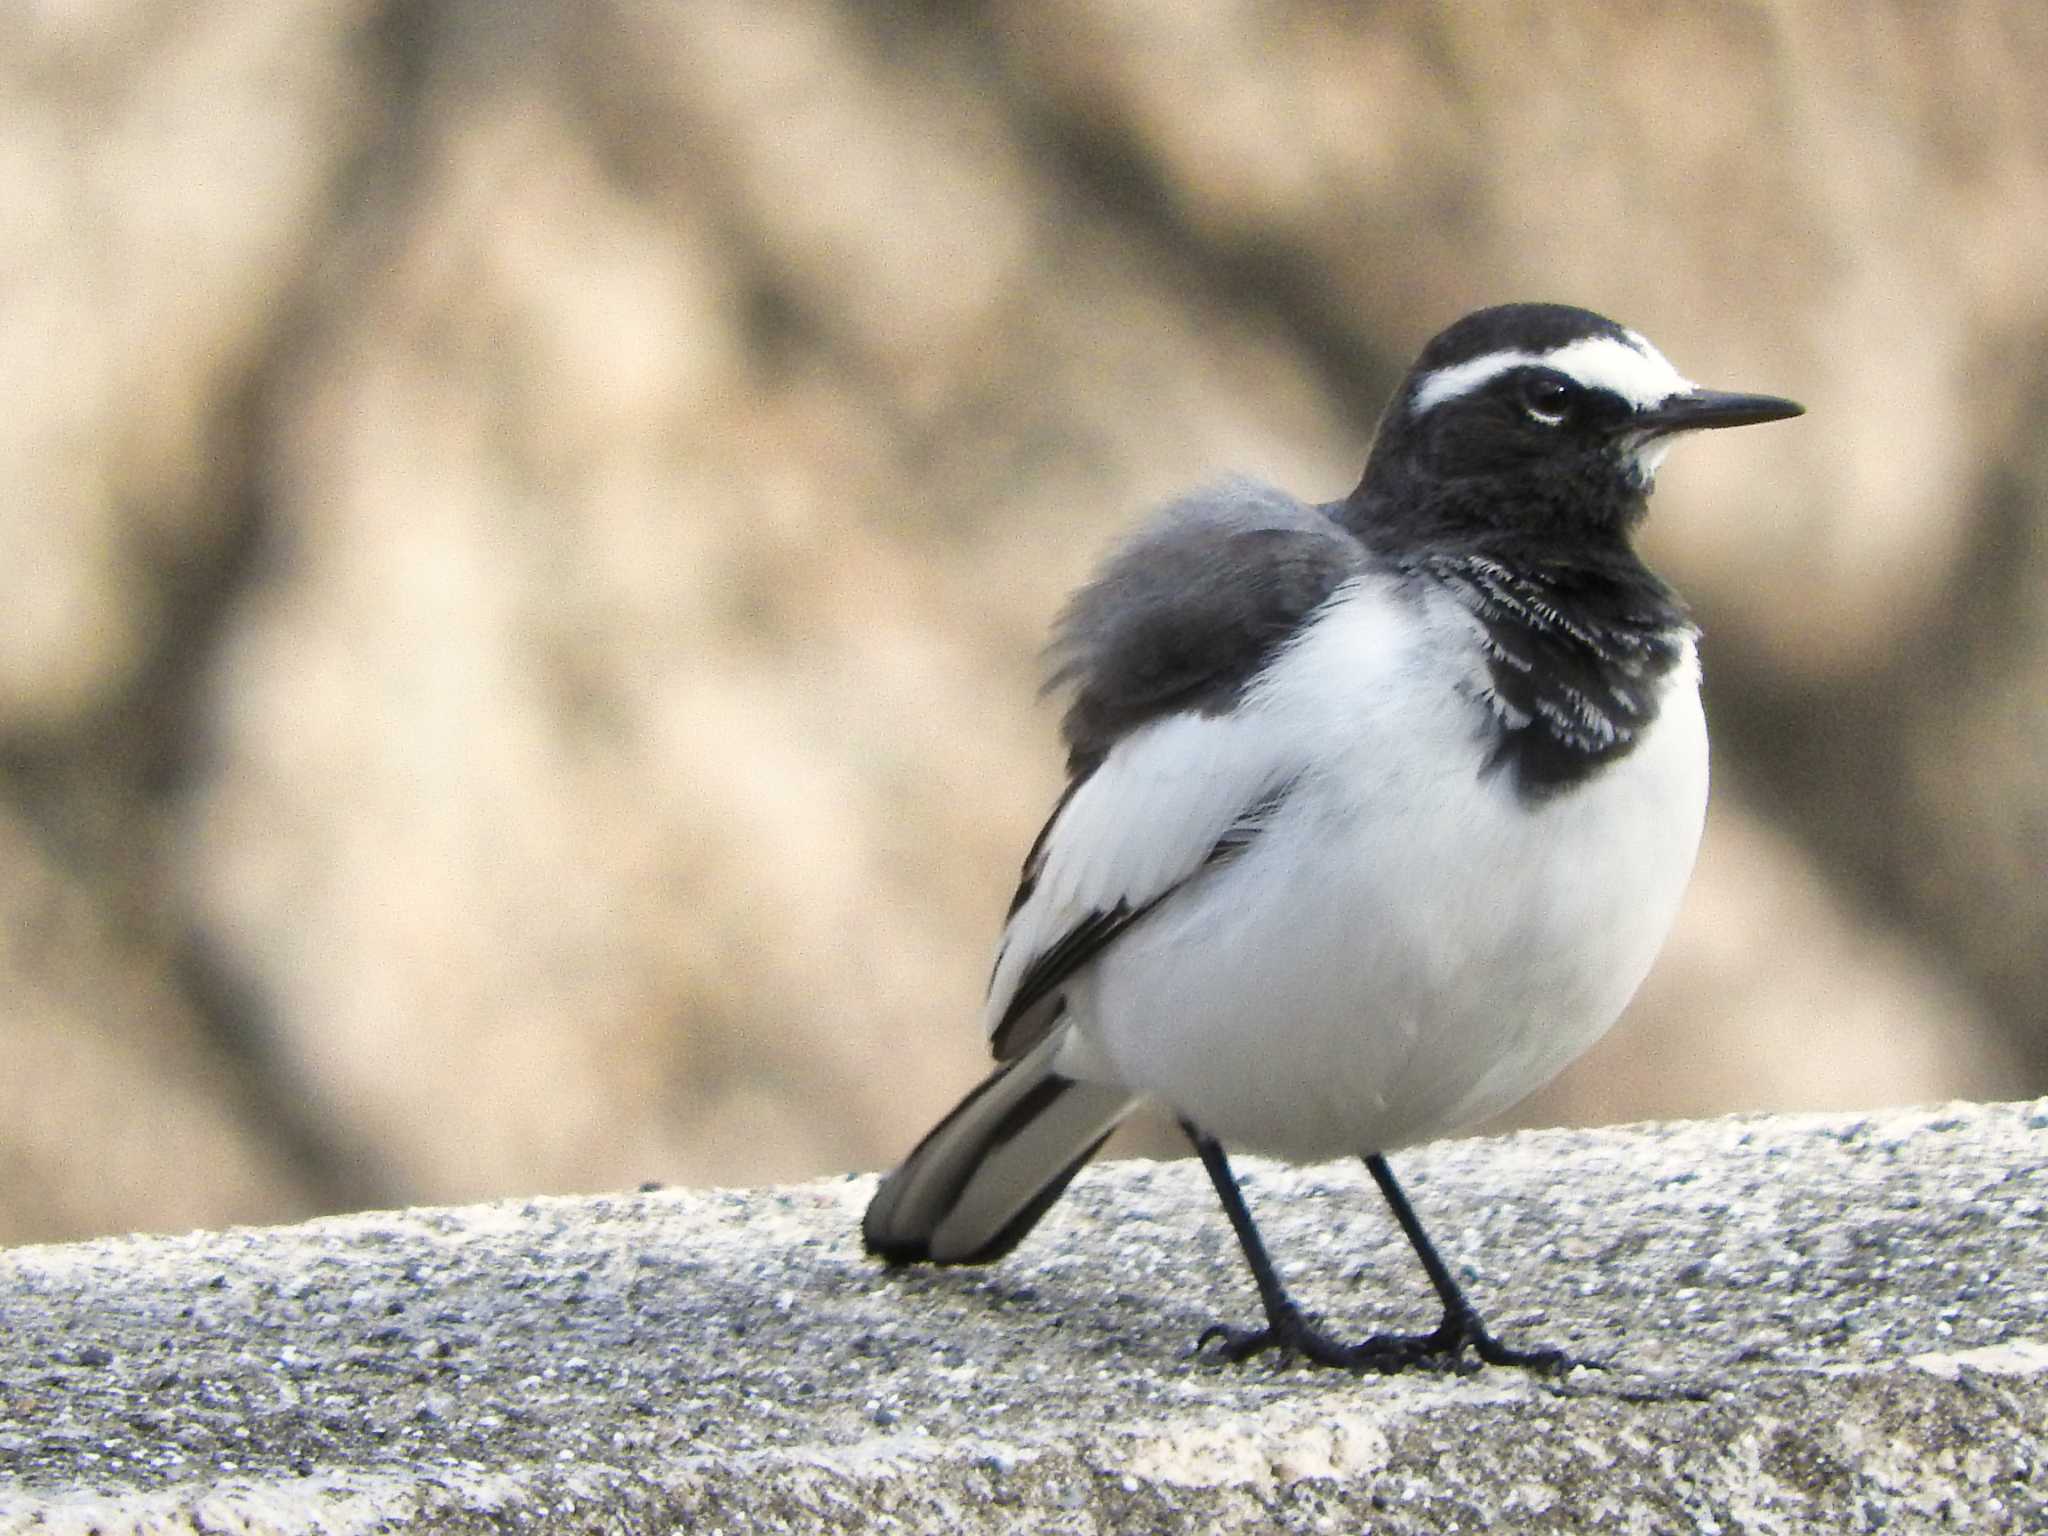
(1168, 781)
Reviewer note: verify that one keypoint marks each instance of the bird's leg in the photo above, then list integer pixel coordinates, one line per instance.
(1290, 1333)
(1461, 1328)
(1286, 1329)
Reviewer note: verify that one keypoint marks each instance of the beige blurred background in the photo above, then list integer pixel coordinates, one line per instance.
(525, 531)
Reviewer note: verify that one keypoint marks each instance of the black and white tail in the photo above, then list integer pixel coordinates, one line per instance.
(972, 1188)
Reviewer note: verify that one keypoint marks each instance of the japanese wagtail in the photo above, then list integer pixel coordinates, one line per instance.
(1377, 811)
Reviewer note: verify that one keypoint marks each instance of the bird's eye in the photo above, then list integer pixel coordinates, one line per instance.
(1547, 398)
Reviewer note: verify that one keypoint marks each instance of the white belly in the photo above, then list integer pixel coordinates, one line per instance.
(1409, 947)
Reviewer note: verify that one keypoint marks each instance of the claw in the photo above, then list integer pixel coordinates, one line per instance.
(1240, 1344)
(1289, 1333)
(1388, 1353)
(1462, 1330)
(1465, 1330)
(1544, 1362)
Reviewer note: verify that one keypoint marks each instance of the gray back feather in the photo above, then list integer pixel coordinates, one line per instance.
(1189, 609)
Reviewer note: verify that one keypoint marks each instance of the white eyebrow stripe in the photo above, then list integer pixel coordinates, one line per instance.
(1632, 369)
(1462, 378)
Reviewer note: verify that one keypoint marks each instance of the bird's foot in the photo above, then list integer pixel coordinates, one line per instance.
(1458, 1345)
(1287, 1332)
(1445, 1349)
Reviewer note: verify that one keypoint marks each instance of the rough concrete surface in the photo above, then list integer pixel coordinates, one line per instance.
(1834, 1323)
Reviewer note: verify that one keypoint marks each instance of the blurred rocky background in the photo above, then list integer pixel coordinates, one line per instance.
(525, 531)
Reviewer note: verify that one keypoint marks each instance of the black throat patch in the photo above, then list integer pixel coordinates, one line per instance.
(1575, 659)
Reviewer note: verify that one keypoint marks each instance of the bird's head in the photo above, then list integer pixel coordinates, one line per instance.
(1536, 419)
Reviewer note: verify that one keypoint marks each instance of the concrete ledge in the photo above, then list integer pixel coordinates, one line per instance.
(1826, 1323)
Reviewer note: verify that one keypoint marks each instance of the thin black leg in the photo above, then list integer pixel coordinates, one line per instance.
(1461, 1328)
(1286, 1329)
(1288, 1332)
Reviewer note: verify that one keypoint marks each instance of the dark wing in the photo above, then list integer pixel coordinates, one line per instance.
(1189, 611)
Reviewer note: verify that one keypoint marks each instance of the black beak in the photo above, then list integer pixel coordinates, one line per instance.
(1713, 408)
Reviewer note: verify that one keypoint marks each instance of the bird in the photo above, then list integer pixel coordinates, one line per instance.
(1377, 812)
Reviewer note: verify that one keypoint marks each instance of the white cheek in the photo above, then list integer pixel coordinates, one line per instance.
(1645, 459)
